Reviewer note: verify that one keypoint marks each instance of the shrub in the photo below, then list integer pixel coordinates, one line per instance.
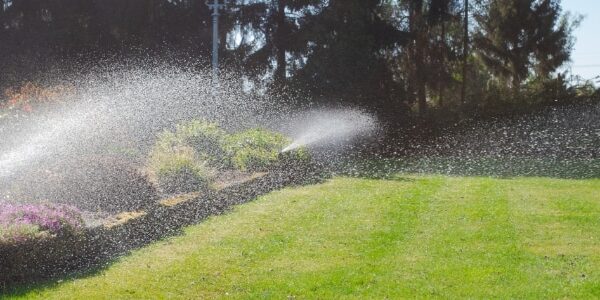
(93, 183)
(255, 149)
(179, 170)
(298, 156)
(24, 222)
(205, 138)
(183, 160)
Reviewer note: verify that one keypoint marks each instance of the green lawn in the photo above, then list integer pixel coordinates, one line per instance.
(413, 236)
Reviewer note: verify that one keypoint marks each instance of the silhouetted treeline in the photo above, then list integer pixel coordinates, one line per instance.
(403, 59)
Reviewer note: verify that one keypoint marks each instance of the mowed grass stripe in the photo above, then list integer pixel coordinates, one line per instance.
(467, 242)
(559, 224)
(366, 230)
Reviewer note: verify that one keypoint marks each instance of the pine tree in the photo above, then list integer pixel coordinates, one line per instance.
(519, 37)
(274, 25)
(346, 41)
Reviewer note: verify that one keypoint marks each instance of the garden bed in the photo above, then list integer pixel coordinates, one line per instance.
(46, 258)
(193, 171)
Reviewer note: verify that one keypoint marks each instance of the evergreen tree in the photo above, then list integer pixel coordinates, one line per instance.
(273, 27)
(345, 42)
(518, 37)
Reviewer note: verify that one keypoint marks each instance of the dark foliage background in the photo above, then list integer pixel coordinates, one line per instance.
(409, 61)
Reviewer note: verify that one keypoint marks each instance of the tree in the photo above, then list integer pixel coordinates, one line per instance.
(345, 42)
(463, 90)
(519, 37)
(427, 58)
(383, 55)
(441, 14)
(418, 32)
(273, 27)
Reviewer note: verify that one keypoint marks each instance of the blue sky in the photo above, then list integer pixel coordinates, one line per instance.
(586, 56)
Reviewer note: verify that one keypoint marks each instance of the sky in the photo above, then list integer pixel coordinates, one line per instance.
(586, 55)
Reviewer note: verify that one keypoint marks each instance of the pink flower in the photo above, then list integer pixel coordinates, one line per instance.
(20, 222)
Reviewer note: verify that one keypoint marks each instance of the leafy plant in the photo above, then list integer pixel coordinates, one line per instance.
(201, 133)
(205, 138)
(179, 170)
(255, 149)
(183, 160)
(186, 159)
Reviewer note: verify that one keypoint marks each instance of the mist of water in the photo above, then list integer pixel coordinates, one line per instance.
(122, 110)
(329, 128)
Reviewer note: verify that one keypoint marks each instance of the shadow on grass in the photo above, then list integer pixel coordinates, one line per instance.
(377, 175)
(392, 169)
(90, 269)
(86, 266)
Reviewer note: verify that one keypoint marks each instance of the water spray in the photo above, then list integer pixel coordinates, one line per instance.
(329, 128)
(290, 147)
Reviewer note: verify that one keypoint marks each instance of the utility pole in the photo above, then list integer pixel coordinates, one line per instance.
(215, 6)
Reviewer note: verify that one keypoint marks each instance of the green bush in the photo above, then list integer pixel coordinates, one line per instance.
(179, 170)
(186, 159)
(299, 155)
(205, 138)
(255, 149)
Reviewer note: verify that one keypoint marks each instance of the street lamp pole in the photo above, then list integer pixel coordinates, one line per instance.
(215, 6)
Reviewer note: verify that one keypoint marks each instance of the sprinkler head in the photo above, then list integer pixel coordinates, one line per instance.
(290, 147)
(285, 154)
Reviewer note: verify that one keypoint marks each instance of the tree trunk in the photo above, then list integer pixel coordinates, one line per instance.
(463, 91)
(410, 56)
(150, 30)
(516, 86)
(418, 31)
(279, 39)
(442, 66)
(421, 93)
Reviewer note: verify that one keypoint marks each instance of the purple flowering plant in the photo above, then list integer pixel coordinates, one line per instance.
(23, 222)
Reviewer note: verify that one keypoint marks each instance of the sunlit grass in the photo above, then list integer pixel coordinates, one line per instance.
(405, 236)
